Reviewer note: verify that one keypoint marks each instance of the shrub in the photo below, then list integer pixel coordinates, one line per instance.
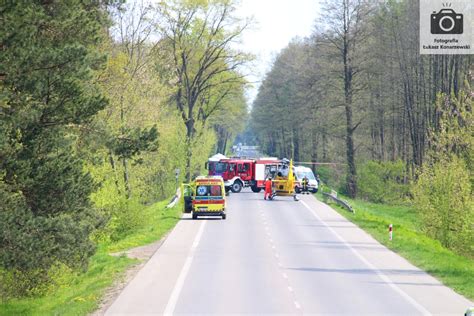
(382, 182)
(31, 245)
(34, 282)
(324, 174)
(126, 217)
(443, 195)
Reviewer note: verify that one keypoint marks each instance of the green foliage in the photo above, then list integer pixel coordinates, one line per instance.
(31, 241)
(443, 191)
(134, 141)
(158, 221)
(229, 120)
(49, 57)
(324, 174)
(332, 177)
(383, 182)
(197, 61)
(454, 132)
(125, 216)
(443, 195)
(280, 118)
(81, 293)
(34, 282)
(77, 294)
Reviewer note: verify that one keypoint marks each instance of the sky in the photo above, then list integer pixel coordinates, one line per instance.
(276, 22)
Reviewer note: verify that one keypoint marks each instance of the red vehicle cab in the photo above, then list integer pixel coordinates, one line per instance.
(238, 173)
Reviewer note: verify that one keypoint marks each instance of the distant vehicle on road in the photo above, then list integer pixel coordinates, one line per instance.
(300, 173)
(205, 197)
(241, 172)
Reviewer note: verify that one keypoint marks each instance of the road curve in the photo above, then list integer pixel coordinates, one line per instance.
(280, 257)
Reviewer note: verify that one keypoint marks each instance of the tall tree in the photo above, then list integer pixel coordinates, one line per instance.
(197, 42)
(132, 53)
(49, 55)
(346, 33)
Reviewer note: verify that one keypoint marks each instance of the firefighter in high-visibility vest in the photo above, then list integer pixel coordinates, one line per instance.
(305, 182)
(268, 188)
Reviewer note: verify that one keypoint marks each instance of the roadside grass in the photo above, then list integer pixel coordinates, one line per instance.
(83, 292)
(81, 296)
(453, 270)
(159, 221)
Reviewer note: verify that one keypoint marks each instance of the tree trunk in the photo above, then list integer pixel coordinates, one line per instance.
(325, 146)
(189, 154)
(114, 170)
(224, 146)
(314, 149)
(350, 152)
(128, 190)
(296, 146)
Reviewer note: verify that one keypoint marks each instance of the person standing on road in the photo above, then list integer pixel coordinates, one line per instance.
(268, 188)
(305, 182)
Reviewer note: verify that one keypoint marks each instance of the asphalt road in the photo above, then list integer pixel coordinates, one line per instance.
(280, 257)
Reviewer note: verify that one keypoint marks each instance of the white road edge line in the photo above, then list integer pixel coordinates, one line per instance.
(385, 278)
(169, 310)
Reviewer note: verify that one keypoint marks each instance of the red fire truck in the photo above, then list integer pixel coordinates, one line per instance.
(239, 172)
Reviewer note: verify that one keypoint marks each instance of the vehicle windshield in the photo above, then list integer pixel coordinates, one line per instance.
(219, 167)
(301, 173)
(212, 190)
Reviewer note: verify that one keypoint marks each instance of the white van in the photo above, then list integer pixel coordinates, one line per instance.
(300, 173)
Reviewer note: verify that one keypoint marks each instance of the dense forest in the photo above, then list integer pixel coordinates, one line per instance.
(101, 101)
(380, 121)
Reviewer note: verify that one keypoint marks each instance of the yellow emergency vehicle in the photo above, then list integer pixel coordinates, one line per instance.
(284, 182)
(205, 197)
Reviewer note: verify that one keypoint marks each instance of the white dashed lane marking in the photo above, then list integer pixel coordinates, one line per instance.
(277, 259)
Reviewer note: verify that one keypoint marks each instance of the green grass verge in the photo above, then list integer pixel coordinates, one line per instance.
(159, 221)
(83, 292)
(453, 270)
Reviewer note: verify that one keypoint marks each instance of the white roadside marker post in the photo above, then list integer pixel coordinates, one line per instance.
(390, 231)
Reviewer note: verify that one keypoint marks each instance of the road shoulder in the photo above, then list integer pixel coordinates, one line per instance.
(417, 284)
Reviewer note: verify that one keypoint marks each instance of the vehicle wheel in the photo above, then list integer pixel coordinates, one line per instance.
(255, 189)
(195, 216)
(224, 216)
(236, 187)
